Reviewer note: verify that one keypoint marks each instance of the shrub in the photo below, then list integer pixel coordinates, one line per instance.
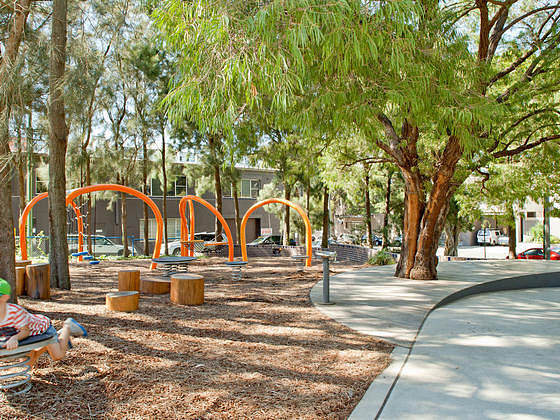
(536, 235)
(381, 258)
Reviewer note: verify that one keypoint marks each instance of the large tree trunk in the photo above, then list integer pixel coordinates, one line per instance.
(145, 191)
(512, 234)
(325, 237)
(237, 212)
(287, 196)
(58, 141)
(124, 227)
(385, 242)
(89, 225)
(164, 173)
(433, 218)
(368, 208)
(11, 47)
(213, 142)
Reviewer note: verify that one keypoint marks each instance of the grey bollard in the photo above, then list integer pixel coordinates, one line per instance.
(326, 256)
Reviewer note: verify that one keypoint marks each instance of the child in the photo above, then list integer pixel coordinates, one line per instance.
(17, 324)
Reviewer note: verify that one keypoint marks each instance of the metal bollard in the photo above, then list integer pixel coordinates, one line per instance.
(326, 256)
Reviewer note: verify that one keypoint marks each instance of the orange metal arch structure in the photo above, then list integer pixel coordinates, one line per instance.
(289, 204)
(23, 221)
(101, 187)
(184, 230)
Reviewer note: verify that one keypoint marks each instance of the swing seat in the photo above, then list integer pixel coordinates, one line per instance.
(94, 262)
(80, 254)
(88, 257)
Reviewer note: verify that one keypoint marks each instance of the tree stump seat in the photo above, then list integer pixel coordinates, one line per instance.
(123, 301)
(187, 289)
(129, 280)
(155, 286)
(37, 281)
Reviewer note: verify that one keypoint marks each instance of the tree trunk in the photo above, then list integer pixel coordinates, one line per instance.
(164, 172)
(433, 218)
(214, 144)
(385, 242)
(89, 231)
(368, 208)
(58, 141)
(237, 212)
(7, 243)
(308, 197)
(287, 196)
(124, 224)
(512, 234)
(145, 191)
(451, 240)
(325, 238)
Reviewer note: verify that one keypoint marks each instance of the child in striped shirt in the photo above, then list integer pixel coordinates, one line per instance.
(17, 324)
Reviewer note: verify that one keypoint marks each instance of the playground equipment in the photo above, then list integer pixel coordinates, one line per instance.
(23, 221)
(184, 231)
(85, 190)
(286, 203)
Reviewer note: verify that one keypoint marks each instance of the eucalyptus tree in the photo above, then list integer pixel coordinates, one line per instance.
(13, 17)
(407, 68)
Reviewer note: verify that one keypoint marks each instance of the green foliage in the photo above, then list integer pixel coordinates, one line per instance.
(536, 234)
(381, 257)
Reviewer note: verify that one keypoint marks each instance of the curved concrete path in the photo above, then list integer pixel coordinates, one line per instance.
(374, 302)
(491, 356)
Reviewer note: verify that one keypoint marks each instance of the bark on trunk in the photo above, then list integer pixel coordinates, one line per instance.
(89, 225)
(145, 191)
(287, 196)
(124, 224)
(451, 240)
(58, 141)
(213, 143)
(325, 238)
(237, 212)
(164, 172)
(368, 209)
(511, 232)
(385, 242)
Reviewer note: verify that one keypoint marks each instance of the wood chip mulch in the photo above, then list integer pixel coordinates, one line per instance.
(256, 349)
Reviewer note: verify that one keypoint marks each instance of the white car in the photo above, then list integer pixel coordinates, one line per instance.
(503, 240)
(488, 236)
(101, 245)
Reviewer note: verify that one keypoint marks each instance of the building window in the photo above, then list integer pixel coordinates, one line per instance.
(250, 188)
(531, 214)
(181, 186)
(173, 228)
(40, 185)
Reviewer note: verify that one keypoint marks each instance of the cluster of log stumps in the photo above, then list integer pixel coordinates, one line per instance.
(33, 280)
(184, 289)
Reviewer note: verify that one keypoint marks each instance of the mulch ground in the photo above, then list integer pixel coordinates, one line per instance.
(256, 349)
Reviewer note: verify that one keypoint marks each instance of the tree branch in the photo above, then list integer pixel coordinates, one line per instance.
(526, 15)
(524, 147)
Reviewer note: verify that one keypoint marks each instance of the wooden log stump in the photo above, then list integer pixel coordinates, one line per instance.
(23, 263)
(154, 286)
(37, 281)
(187, 289)
(124, 301)
(20, 281)
(129, 280)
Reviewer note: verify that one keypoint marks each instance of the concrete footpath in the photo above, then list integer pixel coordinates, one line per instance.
(374, 302)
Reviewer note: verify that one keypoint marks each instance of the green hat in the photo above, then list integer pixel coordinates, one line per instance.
(5, 288)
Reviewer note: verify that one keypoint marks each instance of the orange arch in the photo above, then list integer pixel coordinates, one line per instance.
(289, 204)
(23, 222)
(92, 188)
(183, 205)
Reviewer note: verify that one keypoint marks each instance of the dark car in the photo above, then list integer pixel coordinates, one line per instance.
(377, 241)
(538, 254)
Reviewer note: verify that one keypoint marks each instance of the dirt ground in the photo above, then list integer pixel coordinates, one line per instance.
(256, 349)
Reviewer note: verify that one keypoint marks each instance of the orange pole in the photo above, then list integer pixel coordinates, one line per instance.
(184, 230)
(80, 229)
(278, 201)
(191, 225)
(23, 223)
(190, 199)
(121, 188)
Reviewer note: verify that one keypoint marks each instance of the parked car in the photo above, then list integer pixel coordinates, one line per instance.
(488, 236)
(270, 240)
(538, 254)
(175, 246)
(377, 241)
(101, 245)
(317, 243)
(397, 241)
(503, 240)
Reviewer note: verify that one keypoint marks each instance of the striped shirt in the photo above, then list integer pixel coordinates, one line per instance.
(17, 318)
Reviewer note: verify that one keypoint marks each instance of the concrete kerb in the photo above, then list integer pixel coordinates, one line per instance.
(378, 393)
